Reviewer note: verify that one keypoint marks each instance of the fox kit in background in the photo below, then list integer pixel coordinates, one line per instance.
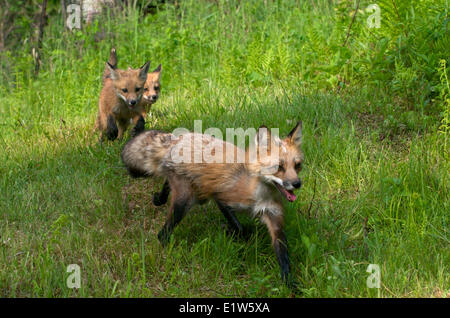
(152, 85)
(119, 102)
(256, 186)
(152, 88)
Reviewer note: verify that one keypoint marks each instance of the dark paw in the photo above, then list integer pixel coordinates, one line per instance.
(290, 282)
(140, 127)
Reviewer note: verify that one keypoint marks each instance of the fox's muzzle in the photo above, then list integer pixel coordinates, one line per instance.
(292, 184)
(151, 98)
(297, 184)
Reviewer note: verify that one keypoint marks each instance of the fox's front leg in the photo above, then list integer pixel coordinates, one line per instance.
(122, 127)
(160, 198)
(275, 223)
(111, 130)
(139, 127)
(177, 211)
(144, 113)
(180, 203)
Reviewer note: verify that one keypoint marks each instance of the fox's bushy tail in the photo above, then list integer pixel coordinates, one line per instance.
(143, 154)
(113, 62)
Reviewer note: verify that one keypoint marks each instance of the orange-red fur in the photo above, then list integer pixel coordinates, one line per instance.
(152, 86)
(119, 101)
(234, 186)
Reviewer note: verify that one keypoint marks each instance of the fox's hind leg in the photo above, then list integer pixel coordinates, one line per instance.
(181, 201)
(233, 222)
(160, 198)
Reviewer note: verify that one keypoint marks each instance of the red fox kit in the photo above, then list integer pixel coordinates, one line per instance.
(257, 184)
(119, 102)
(152, 86)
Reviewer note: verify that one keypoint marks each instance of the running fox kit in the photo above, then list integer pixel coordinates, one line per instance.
(119, 102)
(152, 86)
(256, 186)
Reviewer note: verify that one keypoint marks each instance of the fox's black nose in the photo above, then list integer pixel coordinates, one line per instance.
(154, 97)
(133, 102)
(297, 184)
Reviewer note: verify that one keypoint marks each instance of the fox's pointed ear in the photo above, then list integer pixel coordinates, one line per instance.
(112, 71)
(143, 71)
(295, 136)
(157, 73)
(263, 136)
(158, 69)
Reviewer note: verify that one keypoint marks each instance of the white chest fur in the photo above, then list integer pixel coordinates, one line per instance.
(267, 201)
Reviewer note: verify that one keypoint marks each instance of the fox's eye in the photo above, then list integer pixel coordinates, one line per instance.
(124, 90)
(281, 168)
(146, 89)
(156, 88)
(298, 166)
(138, 89)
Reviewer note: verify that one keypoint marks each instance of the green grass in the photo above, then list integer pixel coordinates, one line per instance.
(66, 199)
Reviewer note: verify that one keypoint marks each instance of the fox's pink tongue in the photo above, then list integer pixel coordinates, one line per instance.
(290, 196)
